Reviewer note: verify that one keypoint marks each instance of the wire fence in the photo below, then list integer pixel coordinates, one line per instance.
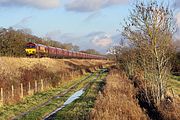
(15, 93)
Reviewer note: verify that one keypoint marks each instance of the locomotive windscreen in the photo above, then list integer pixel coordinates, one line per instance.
(30, 45)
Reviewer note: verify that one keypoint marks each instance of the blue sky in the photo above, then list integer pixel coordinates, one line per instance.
(86, 23)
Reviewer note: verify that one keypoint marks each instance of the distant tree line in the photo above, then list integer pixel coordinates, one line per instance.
(91, 51)
(13, 42)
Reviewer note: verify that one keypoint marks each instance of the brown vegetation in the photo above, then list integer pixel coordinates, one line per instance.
(118, 100)
(169, 109)
(147, 59)
(37, 74)
(150, 28)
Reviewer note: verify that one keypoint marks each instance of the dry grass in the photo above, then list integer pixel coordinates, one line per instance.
(14, 71)
(10, 66)
(118, 101)
(169, 109)
(84, 62)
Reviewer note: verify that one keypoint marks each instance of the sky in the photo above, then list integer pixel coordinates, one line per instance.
(86, 23)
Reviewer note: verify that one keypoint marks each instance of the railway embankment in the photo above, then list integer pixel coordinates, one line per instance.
(22, 77)
(49, 109)
(80, 108)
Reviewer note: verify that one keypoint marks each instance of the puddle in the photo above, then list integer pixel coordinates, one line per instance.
(75, 96)
(72, 98)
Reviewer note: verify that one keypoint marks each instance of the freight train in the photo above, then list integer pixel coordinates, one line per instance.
(39, 50)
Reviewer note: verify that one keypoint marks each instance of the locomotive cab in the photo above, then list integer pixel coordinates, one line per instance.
(38, 50)
(30, 49)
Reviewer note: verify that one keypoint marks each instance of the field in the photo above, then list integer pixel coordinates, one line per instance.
(42, 103)
(10, 65)
(28, 84)
(20, 77)
(28, 103)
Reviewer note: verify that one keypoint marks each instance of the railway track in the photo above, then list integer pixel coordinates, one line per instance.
(57, 96)
(52, 115)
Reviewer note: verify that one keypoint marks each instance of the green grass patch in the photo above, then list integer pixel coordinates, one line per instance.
(176, 78)
(174, 83)
(9, 111)
(54, 104)
(80, 109)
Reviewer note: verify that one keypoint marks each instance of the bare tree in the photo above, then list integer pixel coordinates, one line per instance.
(149, 28)
(75, 48)
(126, 57)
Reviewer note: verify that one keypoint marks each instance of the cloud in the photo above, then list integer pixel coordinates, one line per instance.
(177, 17)
(117, 38)
(62, 37)
(40, 4)
(25, 30)
(176, 3)
(98, 40)
(22, 23)
(104, 41)
(54, 34)
(91, 5)
(93, 34)
(93, 15)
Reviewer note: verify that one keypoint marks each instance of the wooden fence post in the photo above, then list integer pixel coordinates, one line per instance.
(42, 85)
(12, 91)
(29, 88)
(22, 93)
(36, 89)
(2, 97)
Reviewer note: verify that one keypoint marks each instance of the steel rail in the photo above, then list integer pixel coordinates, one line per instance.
(61, 94)
(85, 87)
